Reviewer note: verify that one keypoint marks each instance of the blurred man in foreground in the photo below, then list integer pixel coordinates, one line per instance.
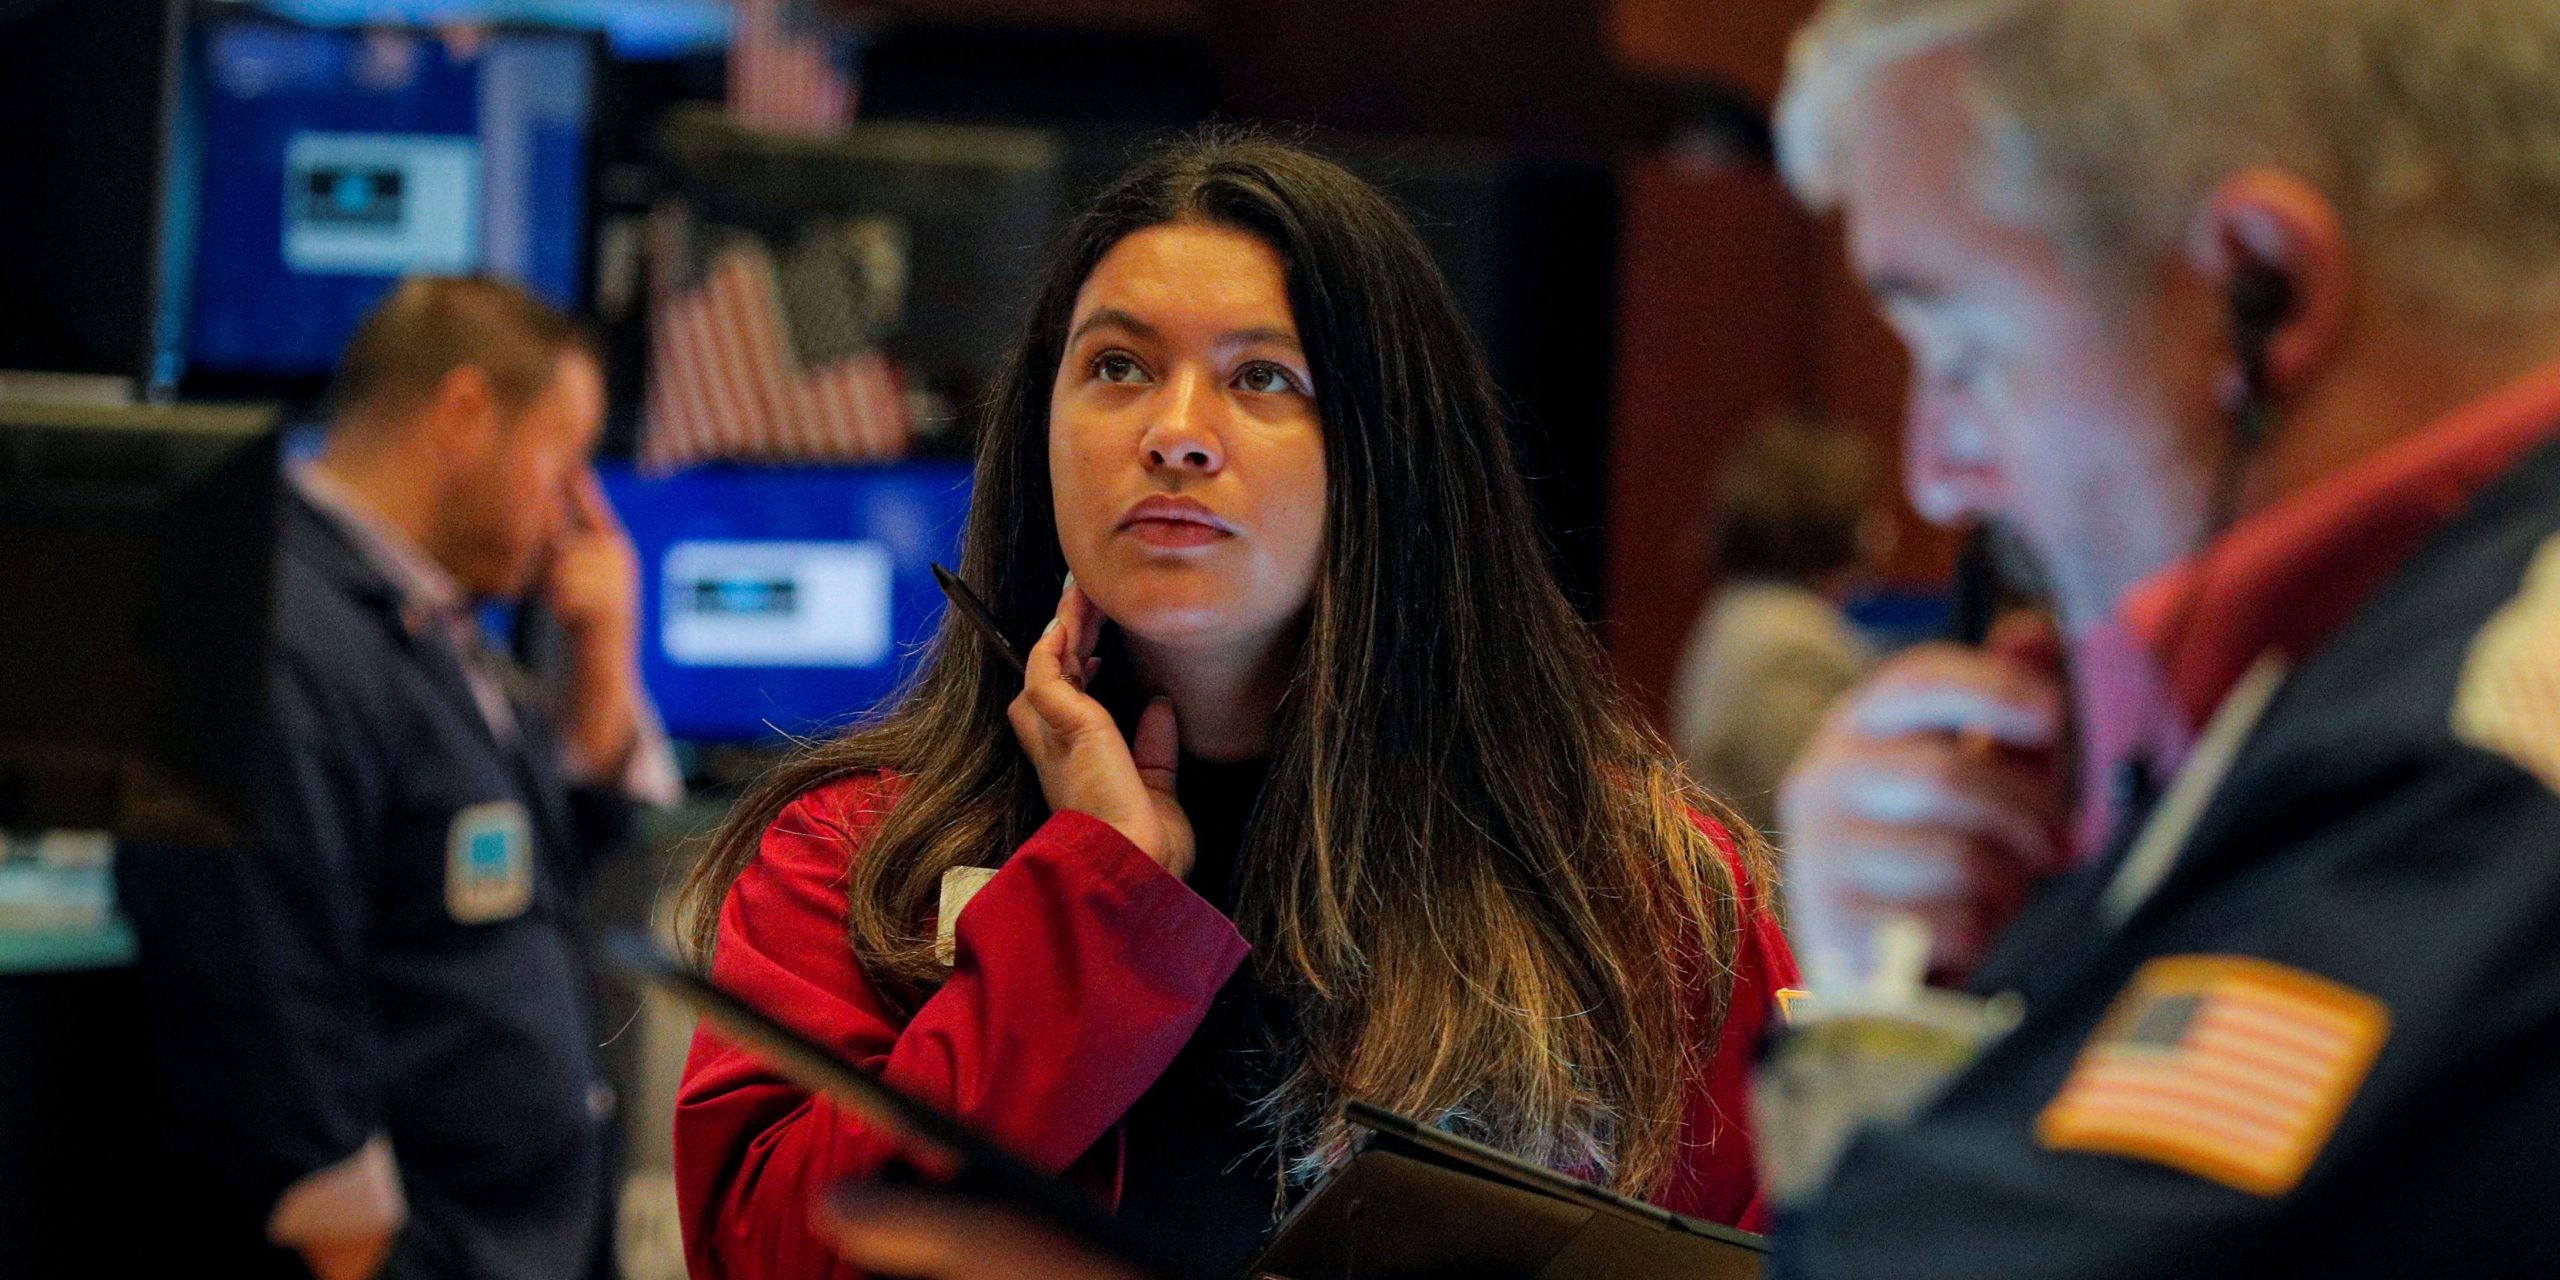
(2247, 318)
(379, 1015)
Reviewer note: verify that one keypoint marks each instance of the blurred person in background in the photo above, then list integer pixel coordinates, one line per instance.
(1794, 523)
(2246, 319)
(377, 1019)
(1313, 790)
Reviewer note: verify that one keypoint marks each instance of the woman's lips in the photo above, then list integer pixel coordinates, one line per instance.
(1173, 533)
(1163, 521)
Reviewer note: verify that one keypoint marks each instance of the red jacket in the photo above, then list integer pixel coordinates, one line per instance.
(1083, 968)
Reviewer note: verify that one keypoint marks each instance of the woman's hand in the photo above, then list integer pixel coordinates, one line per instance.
(1083, 763)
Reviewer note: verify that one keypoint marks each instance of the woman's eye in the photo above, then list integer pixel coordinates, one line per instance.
(1266, 378)
(1114, 366)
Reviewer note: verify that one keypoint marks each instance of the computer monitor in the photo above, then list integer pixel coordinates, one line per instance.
(785, 600)
(86, 118)
(138, 545)
(331, 162)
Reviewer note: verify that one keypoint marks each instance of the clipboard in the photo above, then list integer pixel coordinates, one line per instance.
(1414, 1203)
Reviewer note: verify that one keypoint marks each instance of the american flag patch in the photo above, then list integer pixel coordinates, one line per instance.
(2226, 1067)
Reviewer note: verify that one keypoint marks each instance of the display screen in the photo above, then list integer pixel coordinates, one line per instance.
(784, 600)
(335, 162)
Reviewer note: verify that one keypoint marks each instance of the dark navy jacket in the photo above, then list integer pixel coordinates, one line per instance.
(320, 989)
(2356, 838)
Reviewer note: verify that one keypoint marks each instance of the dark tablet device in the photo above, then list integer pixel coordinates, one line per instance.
(1414, 1203)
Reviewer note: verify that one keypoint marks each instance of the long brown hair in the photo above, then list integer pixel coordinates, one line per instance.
(1472, 875)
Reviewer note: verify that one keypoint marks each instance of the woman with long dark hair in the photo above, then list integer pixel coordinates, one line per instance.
(1315, 788)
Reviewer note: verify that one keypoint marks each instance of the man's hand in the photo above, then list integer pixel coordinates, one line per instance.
(1933, 791)
(592, 585)
(891, 1231)
(592, 588)
(344, 1219)
(352, 1258)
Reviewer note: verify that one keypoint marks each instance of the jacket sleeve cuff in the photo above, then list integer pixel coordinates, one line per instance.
(1168, 928)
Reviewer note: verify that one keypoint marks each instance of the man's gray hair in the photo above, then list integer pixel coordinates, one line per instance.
(2433, 125)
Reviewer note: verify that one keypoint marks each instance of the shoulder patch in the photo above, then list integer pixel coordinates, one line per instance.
(488, 873)
(2508, 703)
(2230, 1068)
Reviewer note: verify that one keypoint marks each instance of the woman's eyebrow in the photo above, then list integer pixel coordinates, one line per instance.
(1112, 318)
(1267, 334)
(1115, 318)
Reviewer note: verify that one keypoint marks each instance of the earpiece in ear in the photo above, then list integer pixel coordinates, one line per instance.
(2261, 302)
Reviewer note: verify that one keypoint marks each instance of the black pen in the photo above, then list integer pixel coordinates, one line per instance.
(975, 610)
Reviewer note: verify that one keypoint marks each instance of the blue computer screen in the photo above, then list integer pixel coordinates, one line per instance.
(334, 162)
(784, 600)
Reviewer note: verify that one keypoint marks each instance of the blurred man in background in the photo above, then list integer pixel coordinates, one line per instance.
(379, 1017)
(1795, 520)
(2247, 319)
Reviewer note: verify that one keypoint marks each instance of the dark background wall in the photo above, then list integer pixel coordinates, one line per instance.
(1644, 282)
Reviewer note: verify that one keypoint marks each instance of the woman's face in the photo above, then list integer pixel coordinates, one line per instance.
(1184, 450)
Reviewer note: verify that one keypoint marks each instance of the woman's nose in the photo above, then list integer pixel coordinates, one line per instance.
(1182, 434)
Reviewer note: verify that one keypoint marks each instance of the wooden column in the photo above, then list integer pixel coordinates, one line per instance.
(1738, 43)
(1716, 326)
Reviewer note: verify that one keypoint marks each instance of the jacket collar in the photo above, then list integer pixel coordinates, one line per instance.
(394, 556)
(321, 546)
(2282, 582)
